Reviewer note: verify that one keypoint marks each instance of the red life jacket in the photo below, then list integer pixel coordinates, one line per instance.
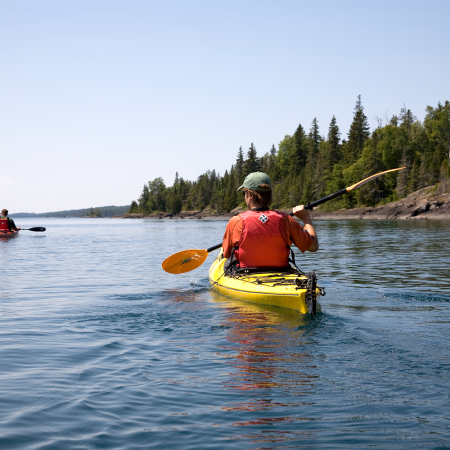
(4, 224)
(262, 243)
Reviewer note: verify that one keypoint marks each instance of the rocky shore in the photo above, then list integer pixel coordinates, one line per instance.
(205, 214)
(422, 204)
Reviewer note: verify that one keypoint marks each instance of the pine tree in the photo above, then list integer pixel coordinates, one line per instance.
(406, 118)
(144, 200)
(359, 132)
(334, 138)
(176, 182)
(251, 164)
(239, 168)
(270, 164)
(301, 151)
(314, 138)
(134, 208)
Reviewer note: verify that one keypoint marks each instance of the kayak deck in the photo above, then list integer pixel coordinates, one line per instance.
(292, 290)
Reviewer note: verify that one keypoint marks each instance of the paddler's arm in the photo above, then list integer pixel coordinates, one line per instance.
(12, 225)
(232, 235)
(301, 213)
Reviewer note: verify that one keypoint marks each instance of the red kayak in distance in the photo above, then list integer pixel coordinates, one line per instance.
(8, 233)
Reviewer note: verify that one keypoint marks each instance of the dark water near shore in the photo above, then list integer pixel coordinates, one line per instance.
(101, 349)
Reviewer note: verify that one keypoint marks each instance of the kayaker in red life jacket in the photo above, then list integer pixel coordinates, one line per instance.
(262, 237)
(6, 223)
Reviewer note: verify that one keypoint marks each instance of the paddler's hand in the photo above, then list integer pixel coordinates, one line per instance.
(301, 213)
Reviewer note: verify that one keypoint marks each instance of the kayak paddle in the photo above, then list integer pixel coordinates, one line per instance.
(347, 189)
(33, 229)
(188, 260)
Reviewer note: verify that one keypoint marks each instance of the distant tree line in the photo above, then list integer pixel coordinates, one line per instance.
(94, 213)
(308, 165)
(100, 211)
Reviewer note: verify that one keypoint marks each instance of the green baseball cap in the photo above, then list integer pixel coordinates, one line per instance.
(253, 180)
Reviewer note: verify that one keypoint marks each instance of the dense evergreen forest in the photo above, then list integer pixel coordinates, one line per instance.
(100, 211)
(308, 165)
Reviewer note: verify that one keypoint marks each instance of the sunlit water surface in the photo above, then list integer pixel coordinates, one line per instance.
(101, 349)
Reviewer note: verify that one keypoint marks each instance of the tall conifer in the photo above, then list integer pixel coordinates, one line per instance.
(144, 201)
(251, 164)
(406, 118)
(313, 142)
(301, 151)
(334, 137)
(239, 168)
(271, 164)
(359, 132)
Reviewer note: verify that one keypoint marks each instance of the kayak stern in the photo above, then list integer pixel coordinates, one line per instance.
(275, 289)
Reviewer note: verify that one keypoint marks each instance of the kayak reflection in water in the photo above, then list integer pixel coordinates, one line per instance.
(262, 237)
(7, 223)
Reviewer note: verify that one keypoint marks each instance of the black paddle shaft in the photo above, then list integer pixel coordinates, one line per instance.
(214, 247)
(325, 199)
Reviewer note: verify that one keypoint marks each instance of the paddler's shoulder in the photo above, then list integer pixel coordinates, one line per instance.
(290, 220)
(283, 214)
(235, 219)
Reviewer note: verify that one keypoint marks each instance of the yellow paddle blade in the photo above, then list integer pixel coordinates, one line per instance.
(366, 180)
(184, 261)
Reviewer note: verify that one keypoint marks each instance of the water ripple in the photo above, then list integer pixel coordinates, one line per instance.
(102, 349)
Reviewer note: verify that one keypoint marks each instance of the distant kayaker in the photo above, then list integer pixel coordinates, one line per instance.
(7, 223)
(262, 237)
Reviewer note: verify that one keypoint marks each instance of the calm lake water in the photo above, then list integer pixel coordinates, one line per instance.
(101, 349)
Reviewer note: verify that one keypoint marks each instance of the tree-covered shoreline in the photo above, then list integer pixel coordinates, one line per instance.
(99, 211)
(308, 166)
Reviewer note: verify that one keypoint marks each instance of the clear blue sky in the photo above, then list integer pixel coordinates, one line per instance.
(100, 96)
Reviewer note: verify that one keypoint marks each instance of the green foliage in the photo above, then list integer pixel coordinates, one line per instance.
(286, 157)
(359, 132)
(94, 213)
(299, 151)
(134, 208)
(334, 137)
(239, 168)
(306, 167)
(251, 164)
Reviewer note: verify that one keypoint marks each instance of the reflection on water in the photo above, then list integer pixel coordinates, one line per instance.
(264, 339)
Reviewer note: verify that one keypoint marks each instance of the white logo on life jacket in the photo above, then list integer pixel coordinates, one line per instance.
(263, 218)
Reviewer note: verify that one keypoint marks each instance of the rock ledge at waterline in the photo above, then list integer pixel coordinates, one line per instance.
(422, 204)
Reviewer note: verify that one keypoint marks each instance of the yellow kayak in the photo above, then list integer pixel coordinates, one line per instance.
(292, 289)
